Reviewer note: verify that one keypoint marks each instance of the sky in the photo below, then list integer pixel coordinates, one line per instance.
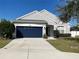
(11, 9)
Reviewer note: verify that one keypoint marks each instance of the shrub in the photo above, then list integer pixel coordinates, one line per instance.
(74, 28)
(65, 35)
(56, 33)
(6, 29)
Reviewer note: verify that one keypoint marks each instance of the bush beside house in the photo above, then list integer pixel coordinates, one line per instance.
(65, 35)
(6, 29)
(56, 33)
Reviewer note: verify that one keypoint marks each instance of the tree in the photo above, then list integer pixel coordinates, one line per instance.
(74, 28)
(6, 28)
(70, 10)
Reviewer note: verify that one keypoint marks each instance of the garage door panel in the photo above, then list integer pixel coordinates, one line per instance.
(23, 31)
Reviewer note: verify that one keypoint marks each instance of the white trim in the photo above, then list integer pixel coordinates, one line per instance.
(27, 14)
(36, 25)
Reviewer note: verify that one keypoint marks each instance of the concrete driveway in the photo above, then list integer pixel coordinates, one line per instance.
(33, 48)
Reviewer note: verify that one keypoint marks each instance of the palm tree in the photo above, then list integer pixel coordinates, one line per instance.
(70, 10)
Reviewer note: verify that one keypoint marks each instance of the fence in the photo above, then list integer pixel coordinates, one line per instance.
(74, 33)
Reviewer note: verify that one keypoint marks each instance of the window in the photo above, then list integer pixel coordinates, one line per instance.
(61, 31)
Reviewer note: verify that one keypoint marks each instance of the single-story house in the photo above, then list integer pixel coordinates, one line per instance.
(38, 24)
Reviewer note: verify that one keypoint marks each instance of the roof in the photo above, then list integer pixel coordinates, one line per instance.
(30, 21)
(28, 14)
(42, 15)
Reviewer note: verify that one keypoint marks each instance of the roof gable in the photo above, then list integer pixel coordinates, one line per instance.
(42, 15)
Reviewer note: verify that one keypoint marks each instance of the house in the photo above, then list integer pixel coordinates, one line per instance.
(38, 24)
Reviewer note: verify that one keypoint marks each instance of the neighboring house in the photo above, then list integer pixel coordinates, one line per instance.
(39, 24)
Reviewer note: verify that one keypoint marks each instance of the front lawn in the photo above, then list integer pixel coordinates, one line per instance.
(65, 45)
(4, 42)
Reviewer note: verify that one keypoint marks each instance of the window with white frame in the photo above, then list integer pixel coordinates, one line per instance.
(61, 29)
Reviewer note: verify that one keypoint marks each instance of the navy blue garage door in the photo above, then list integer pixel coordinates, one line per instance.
(23, 31)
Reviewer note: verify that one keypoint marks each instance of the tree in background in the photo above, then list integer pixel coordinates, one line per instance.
(74, 28)
(69, 10)
(6, 28)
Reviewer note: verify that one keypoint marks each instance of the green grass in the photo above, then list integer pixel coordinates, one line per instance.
(65, 45)
(4, 42)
